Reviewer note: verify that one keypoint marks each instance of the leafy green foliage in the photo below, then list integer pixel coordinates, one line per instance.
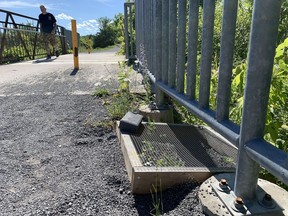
(106, 35)
(123, 77)
(277, 116)
(123, 101)
(101, 92)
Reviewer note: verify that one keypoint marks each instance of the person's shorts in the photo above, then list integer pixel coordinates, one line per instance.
(47, 38)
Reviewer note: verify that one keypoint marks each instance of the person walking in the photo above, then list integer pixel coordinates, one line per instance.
(48, 27)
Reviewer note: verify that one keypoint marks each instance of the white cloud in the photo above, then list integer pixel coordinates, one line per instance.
(93, 21)
(92, 24)
(17, 4)
(63, 16)
(86, 27)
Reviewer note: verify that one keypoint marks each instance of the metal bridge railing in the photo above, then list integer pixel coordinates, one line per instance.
(20, 41)
(161, 50)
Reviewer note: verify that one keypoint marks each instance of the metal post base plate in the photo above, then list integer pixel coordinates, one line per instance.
(217, 199)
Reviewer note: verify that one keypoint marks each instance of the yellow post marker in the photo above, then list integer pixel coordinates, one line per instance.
(75, 44)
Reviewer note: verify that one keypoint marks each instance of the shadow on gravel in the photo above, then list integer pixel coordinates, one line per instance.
(43, 60)
(185, 194)
(74, 72)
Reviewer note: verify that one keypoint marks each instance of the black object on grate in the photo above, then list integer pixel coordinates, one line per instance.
(182, 146)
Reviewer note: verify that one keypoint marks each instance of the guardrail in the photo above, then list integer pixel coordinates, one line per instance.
(161, 50)
(19, 41)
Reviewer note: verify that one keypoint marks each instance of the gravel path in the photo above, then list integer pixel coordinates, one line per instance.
(54, 162)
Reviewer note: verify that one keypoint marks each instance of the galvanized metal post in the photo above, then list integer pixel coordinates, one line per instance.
(137, 30)
(139, 27)
(158, 49)
(181, 45)
(226, 58)
(126, 32)
(144, 46)
(153, 41)
(131, 31)
(172, 42)
(158, 38)
(206, 53)
(141, 33)
(262, 46)
(149, 35)
(142, 5)
(165, 40)
(192, 47)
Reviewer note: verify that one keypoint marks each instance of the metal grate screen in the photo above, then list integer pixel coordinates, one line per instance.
(182, 146)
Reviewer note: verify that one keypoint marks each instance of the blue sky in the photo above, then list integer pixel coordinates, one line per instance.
(86, 12)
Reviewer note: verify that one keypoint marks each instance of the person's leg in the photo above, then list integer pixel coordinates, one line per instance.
(47, 44)
(54, 44)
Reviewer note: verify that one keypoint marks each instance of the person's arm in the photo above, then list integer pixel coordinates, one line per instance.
(40, 23)
(54, 24)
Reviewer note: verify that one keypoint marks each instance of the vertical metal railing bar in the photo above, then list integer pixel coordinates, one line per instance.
(146, 44)
(266, 14)
(153, 41)
(142, 18)
(4, 38)
(206, 53)
(226, 59)
(181, 45)
(147, 33)
(126, 30)
(143, 32)
(165, 40)
(172, 42)
(131, 30)
(139, 27)
(192, 47)
(158, 37)
(136, 27)
(148, 41)
(158, 50)
(151, 48)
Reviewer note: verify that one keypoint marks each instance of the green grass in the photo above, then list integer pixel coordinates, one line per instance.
(83, 49)
(101, 92)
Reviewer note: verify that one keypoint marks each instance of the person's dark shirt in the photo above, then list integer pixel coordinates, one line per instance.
(47, 22)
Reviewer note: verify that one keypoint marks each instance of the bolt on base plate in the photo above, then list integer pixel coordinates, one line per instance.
(217, 198)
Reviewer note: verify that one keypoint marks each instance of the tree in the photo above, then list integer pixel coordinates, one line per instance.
(106, 35)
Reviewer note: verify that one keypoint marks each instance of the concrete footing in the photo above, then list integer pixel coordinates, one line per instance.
(212, 196)
(158, 115)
